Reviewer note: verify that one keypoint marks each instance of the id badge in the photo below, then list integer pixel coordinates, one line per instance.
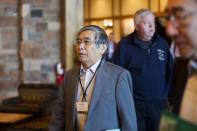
(82, 106)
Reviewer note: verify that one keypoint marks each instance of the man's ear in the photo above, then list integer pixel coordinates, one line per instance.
(103, 48)
(137, 27)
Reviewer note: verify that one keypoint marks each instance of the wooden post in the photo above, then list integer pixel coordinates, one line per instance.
(72, 22)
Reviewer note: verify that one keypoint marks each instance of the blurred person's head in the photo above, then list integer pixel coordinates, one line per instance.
(111, 36)
(182, 26)
(144, 21)
(91, 44)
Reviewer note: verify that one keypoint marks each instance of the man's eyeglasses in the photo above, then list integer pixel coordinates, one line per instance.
(179, 16)
(84, 41)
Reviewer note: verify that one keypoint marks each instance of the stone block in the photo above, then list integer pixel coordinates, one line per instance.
(10, 45)
(54, 4)
(9, 57)
(8, 11)
(52, 15)
(35, 36)
(32, 77)
(32, 50)
(41, 27)
(8, 2)
(54, 26)
(1, 68)
(8, 51)
(8, 66)
(9, 35)
(7, 85)
(37, 2)
(51, 37)
(9, 75)
(46, 69)
(36, 13)
(48, 78)
(8, 22)
(31, 66)
(14, 74)
(28, 22)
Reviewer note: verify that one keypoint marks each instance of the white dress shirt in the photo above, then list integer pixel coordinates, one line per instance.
(189, 103)
(85, 80)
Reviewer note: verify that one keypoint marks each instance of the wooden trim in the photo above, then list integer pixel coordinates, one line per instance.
(62, 46)
(20, 40)
(149, 4)
(89, 7)
(84, 12)
(159, 5)
(112, 11)
(121, 17)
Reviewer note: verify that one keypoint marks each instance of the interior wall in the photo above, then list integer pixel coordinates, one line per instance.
(9, 62)
(131, 6)
(100, 8)
(73, 22)
(163, 4)
(29, 43)
(34, 36)
(154, 6)
(40, 44)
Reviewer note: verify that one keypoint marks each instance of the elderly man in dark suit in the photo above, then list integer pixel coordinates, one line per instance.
(97, 96)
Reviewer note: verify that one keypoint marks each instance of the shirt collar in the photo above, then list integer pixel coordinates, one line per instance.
(141, 43)
(91, 68)
(192, 68)
(193, 64)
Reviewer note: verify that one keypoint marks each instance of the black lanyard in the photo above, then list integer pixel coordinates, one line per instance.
(84, 90)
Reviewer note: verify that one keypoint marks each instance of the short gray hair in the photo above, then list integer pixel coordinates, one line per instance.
(140, 14)
(100, 35)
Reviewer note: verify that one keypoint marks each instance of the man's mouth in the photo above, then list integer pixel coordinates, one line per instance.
(82, 54)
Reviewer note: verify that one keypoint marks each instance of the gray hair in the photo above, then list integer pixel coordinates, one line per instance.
(100, 35)
(140, 14)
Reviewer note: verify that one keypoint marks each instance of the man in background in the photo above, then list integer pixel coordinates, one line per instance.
(182, 17)
(146, 55)
(111, 47)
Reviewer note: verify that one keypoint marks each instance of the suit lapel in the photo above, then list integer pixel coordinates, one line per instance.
(71, 99)
(97, 89)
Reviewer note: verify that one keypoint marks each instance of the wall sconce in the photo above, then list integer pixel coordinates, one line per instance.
(108, 23)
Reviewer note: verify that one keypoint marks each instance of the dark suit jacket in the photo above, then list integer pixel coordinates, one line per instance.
(179, 80)
(111, 106)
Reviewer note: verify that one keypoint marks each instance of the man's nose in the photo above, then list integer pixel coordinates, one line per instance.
(171, 28)
(81, 45)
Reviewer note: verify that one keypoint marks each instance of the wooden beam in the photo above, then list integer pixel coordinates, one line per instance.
(120, 17)
(73, 22)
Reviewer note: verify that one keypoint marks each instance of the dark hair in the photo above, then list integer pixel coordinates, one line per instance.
(100, 35)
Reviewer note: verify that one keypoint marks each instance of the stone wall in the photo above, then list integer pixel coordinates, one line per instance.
(8, 48)
(39, 48)
(41, 40)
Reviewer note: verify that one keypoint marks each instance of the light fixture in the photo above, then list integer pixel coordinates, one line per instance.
(108, 23)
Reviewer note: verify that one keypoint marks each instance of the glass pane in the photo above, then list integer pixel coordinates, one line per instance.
(101, 8)
(128, 26)
(154, 5)
(131, 6)
(163, 4)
